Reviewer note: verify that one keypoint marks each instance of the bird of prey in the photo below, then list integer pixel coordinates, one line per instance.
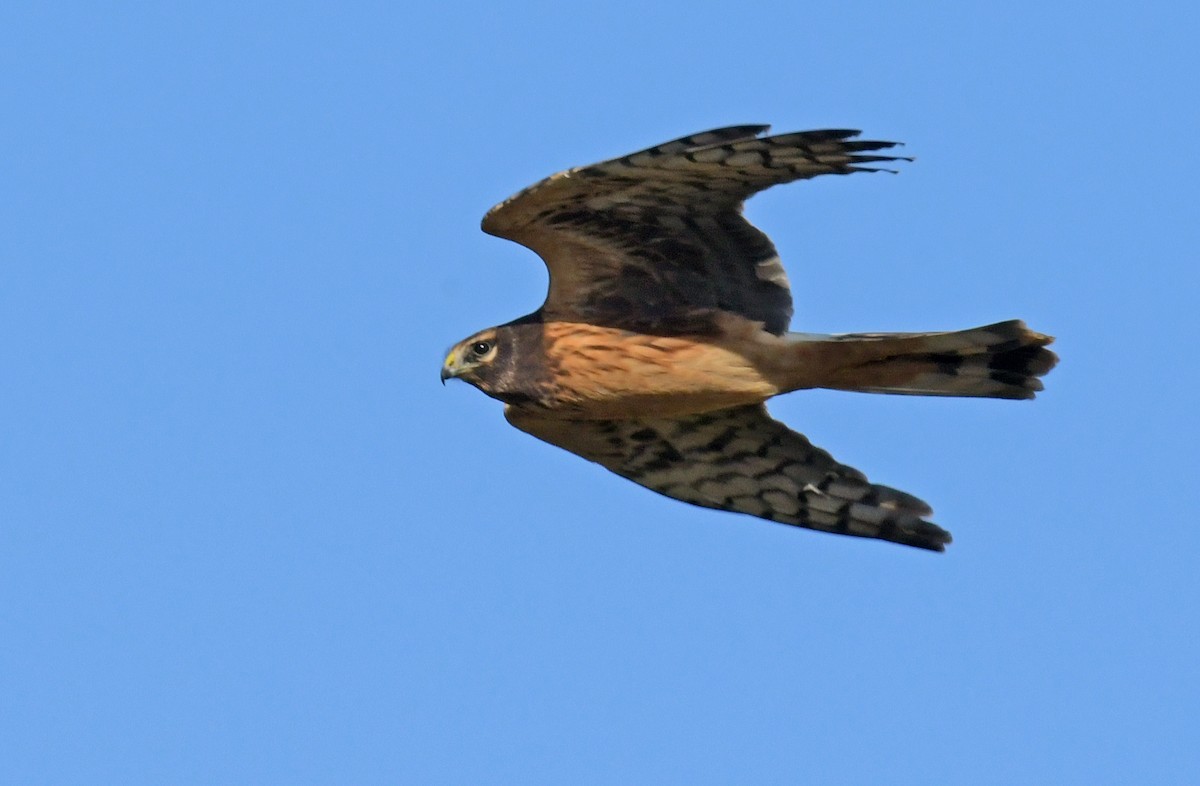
(665, 330)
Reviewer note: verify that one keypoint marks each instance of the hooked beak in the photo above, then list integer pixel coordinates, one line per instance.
(450, 368)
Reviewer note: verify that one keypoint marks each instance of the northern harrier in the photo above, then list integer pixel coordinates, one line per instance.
(666, 328)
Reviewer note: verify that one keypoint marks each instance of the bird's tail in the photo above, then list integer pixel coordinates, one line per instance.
(1003, 360)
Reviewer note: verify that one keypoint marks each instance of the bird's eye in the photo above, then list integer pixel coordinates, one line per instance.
(481, 347)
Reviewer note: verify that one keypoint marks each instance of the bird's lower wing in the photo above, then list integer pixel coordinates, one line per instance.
(742, 460)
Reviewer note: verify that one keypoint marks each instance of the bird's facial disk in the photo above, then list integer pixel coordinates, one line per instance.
(469, 356)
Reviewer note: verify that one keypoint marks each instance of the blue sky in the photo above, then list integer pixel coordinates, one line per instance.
(246, 536)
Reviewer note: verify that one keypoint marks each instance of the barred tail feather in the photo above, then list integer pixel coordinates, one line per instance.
(1004, 360)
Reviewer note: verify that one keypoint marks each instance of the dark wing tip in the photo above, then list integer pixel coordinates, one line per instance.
(931, 537)
(915, 532)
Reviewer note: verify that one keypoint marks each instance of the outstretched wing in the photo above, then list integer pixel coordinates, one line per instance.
(643, 241)
(742, 460)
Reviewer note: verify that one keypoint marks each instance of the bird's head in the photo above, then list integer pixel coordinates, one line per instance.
(506, 362)
(472, 359)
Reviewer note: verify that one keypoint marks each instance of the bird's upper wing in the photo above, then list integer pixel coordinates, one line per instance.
(641, 241)
(740, 459)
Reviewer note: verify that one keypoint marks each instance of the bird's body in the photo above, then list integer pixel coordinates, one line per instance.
(615, 372)
(665, 329)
